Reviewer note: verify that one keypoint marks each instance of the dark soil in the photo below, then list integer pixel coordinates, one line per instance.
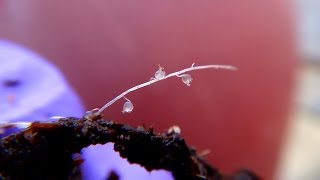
(50, 150)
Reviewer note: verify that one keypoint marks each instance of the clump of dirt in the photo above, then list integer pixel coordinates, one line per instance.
(49, 150)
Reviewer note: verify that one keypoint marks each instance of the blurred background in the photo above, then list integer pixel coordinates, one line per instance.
(265, 116)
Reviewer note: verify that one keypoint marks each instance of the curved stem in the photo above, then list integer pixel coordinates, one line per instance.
(177, 73)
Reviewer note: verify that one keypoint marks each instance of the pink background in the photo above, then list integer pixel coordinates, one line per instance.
(106, 47)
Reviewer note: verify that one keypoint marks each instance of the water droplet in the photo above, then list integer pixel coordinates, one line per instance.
(160, 74)
(127, 107)
(186, 79)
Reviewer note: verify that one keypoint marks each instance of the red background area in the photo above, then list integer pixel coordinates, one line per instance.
(106, 47)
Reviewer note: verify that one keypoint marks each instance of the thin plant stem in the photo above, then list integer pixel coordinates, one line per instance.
(154, 80)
